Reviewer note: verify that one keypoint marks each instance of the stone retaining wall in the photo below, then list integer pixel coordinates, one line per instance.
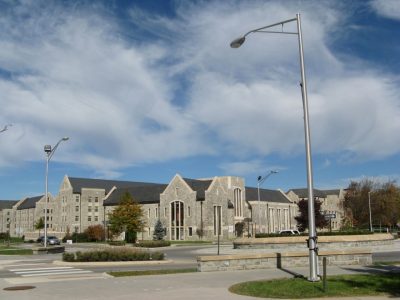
(297, 243)
(280, 260)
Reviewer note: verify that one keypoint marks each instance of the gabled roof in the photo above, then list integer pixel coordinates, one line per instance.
(142, 194)
(265, 195)
(199, 186)
(29, 202)
(107, 185)
(7, 204)
(303, 193)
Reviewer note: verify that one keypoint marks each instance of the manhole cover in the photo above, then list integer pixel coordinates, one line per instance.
(19, 288)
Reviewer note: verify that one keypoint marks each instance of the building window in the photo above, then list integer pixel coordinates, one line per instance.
(76, 218)
(156, 212)
(217, 220)
(237, 197)
(96, 209)
(89, 199)
(89, 209)
(77, 199)
(148, 212)
(165, 211)
(96, 199)
(188, 211)
(76, 208)
(96, 218)
(190, 231)
(89, 218)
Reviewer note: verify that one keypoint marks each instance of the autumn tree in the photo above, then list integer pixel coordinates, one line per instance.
(128, 217)
(384, 198)
(302, 218)
(39, 224)
(95, 233)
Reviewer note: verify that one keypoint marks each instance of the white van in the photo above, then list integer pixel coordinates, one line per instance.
(289, 232)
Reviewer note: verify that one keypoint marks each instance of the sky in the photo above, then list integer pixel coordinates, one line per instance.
(148, 89)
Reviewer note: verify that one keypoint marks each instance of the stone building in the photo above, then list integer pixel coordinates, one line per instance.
(6, 214)
(332, 203)
(189, 209)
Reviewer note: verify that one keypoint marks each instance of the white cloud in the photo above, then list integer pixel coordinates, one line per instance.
(387, 8)
(122, 102)
(244, 168)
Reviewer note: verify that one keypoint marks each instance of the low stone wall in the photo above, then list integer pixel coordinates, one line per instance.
(280, 260)
(47, 250)
(297, 243)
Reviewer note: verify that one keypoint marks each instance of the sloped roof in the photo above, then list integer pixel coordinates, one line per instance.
(303, 193)
(199, 186)
(142, 194)
(29, 202)
(7, 204)
(265, 195)
(107, 185)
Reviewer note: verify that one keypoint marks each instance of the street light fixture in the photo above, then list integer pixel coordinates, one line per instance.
(49, 154)
(5, 127)
(312, 241)
(260, 181)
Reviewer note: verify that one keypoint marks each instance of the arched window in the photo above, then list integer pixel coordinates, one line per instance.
(237, 197)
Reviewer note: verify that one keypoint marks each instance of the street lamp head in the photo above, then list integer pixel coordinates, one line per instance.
(259, 178)
(65, 138)
(47, 148)
(238, 42)
(274, 172)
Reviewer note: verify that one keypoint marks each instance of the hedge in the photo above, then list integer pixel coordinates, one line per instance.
(153, 244)
(120, 254)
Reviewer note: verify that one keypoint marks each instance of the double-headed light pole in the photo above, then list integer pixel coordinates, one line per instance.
(312, 241)
(260, 181)
(49, 154)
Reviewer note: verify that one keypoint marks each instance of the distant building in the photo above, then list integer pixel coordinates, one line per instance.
(6, 214)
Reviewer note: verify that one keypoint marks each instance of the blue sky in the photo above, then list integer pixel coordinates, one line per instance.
(148, 89)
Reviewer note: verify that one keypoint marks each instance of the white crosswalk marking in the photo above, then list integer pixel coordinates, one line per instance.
(34, 272)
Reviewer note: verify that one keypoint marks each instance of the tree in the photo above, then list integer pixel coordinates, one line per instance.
(384, 198)
(302, 219)
(39, 224)
(128, 217)
(95, 233)
(159, 231)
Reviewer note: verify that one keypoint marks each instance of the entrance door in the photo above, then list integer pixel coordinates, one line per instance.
(177, 220)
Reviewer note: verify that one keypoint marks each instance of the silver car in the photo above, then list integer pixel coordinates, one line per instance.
(51, 240)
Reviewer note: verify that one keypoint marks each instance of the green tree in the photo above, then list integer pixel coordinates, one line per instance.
(128, 217)
(39, 224)
(302, 219)
(159, 231)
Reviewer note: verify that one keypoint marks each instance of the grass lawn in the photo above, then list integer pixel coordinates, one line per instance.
(151, 272)
(337, 286)
(14, 251)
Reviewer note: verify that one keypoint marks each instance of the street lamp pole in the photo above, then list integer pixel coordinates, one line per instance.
(312, 241)
(370, 215)
(49, 154)
(260, 181)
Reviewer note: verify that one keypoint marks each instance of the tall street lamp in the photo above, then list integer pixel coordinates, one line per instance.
(49, 154)
(312, 241)
(370, 215)
(260, 181)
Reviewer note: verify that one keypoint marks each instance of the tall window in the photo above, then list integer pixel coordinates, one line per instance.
(217, 220)
(237, 197)
(177, 220)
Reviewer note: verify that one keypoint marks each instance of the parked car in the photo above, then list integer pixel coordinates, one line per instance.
(51, 240)
(289, 232)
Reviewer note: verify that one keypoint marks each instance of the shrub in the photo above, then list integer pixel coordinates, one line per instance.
(159, 231)
(95, 233)
(116, 243)
(120, 254)
(153, 244)
(68, 257)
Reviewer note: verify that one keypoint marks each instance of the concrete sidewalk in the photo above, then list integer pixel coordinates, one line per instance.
(189, 286)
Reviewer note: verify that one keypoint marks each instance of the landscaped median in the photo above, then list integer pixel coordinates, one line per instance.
(281, 260)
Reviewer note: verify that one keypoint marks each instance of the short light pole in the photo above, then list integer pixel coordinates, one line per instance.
(312, 240)
(49, 154)
(370, 214)
(260, 181)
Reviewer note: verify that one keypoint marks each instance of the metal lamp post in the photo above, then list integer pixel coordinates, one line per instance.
(260, 181)
(49, 154)
(312, 241)
(370, 214)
